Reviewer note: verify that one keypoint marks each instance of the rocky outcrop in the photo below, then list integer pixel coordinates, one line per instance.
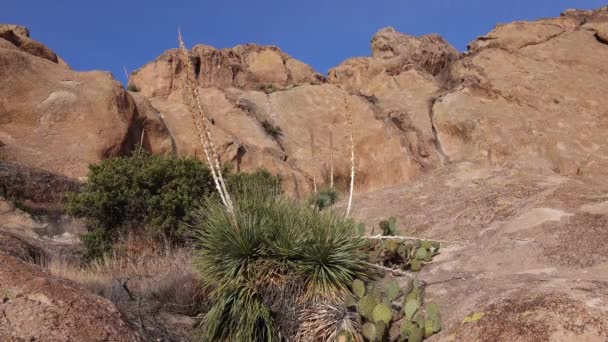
(269, 110)
(37, 306)
(506, 102)
(513, 250)
(531, 94)
(61, 120)
(19, 37)
(248, 66)
(29, 184)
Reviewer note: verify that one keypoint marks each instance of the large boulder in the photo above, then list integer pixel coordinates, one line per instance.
(37, 306)
(57, 119)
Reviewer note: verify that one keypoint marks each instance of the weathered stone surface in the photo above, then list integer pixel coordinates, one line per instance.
(60, 120)
(532, 94)
(246, 66)
(20, 37)
(514, 250)
(37, 306)
(430, 53)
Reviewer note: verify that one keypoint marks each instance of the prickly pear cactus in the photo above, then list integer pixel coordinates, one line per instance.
(401, 254)
(379, 312)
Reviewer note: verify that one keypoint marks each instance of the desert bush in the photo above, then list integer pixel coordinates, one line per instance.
(324, 198)
(155, 192)
(149, 194)
(272, 251)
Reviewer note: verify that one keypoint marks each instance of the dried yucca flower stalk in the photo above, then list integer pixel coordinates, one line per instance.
(331, 160)
(314, 161)
(202, 127)
(349, 125)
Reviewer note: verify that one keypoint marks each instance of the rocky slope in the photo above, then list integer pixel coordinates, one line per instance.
(526, 249)
(502, 150)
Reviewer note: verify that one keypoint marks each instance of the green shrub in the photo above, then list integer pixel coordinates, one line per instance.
(253, 260)
(153, 195)
(95, 243)
(324, 198)
(157, 193)
(264, 180)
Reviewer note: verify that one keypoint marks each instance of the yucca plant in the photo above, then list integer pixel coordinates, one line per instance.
(271, 243)
(324, 198)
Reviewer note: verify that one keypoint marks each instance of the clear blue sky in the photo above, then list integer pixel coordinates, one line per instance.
(107, 34)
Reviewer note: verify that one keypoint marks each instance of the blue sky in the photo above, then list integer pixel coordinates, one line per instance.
(107, 34)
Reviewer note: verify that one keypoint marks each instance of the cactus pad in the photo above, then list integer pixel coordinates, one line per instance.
(369, 331)
(366, 306)
(382, 313)
(415, 265)
(359, 288)
(392, 290)
(411, 307)
(344, 336)
(421, 253)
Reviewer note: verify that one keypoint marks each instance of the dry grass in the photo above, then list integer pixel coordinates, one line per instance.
(141, 272)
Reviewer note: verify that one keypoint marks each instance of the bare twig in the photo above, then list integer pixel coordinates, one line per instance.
(394, 271)
(387, 237)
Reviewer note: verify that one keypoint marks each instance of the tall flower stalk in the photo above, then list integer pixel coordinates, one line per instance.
(349, 125)
(202, 128)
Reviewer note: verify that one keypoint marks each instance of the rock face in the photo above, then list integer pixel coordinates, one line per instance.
(270, 110)
(37, 306)
(514, 252)
(54, 118)
(532, 94)
(19, 37)
(244, 66)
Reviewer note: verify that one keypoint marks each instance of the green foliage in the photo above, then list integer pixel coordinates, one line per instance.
(401, 254)
(388, 227)
(95, 243)
(325, 199)
(238, 315)
(149, 194)
(269, 243)
(265, 181)
(378, 314)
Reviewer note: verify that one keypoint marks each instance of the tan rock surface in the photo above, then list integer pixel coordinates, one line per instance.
(60, 120)
(532, 94)
(247, 66)
(517, 252)
(37, 306)
(19, 36)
